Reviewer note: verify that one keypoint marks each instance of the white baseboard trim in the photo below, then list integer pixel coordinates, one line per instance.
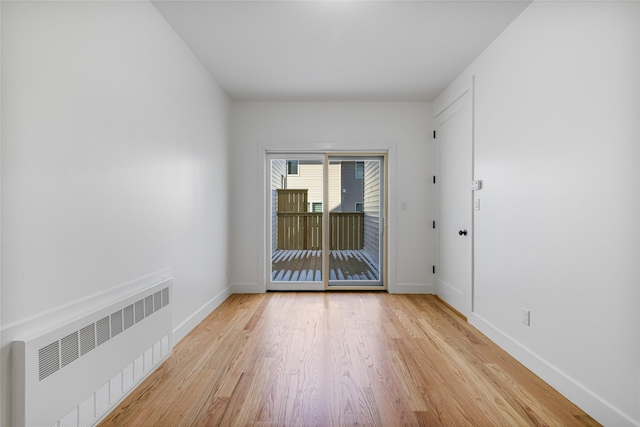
(598, 408)
(247, 288)
(411, 288)
(192, 321)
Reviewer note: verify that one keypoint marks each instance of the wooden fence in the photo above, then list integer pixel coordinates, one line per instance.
(303, 230)
(346, 231)
(300, 230)
(292, 200)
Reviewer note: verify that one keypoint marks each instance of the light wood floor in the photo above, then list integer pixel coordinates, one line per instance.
(338, 359)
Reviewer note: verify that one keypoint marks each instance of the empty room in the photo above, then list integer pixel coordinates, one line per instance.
(320, 213)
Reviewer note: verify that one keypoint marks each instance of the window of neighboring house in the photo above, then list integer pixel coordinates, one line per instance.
(359, 207)
(359, 170)
(292, 167)
(316, 207)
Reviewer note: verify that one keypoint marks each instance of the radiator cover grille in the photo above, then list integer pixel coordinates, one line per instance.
(70, 344)
(60, 374)
(49, 362)
(87, 339)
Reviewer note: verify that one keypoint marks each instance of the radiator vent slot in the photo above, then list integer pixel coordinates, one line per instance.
(127, 377)
(86, 411)
(157, 300)
(71, 419)
(87, 339)
(49, 359)
(115, 388)
(165, 296)
(127, 314)
(102, 398)
(116, 323)
(138, 369)
(148, 306)
(165, 345)
(70, 348)
(102, 326)
(139, 310)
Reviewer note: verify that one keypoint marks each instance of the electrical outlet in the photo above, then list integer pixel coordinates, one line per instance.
(526, 317)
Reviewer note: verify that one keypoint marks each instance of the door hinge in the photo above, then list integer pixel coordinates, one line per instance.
(434, 179)
(433, 269)
(434, 224)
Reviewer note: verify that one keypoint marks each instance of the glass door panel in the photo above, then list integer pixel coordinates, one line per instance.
(296, 213)
(356, 219)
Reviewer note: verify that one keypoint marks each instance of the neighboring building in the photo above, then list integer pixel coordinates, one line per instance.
(308, 175)
(346, 184)
(352, 177)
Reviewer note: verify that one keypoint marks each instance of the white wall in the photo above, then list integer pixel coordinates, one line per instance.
(114, 164)
(1, 374)
(402, 128)
(557, 108)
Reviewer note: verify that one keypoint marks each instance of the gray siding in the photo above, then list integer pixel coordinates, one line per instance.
(278, 175)
(372, 208)
(352, 188)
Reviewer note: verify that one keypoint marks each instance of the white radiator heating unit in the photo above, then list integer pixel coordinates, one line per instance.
(75, 374)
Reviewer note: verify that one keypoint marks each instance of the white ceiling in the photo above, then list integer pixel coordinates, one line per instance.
(337, 50)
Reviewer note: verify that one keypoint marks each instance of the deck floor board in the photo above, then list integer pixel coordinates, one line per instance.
(301, 266)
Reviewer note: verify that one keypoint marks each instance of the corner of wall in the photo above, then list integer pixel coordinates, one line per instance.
(247, 288)
(1, 376)
(572, 389)
(180, 331)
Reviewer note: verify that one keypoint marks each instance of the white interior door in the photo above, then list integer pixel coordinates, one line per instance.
(454, 141)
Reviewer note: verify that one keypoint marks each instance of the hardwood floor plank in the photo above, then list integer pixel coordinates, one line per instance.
(338, 359)
(213, 413)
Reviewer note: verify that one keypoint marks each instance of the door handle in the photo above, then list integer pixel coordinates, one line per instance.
(462, 232)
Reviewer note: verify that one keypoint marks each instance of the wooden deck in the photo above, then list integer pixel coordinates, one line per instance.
(341, 359)
(306, 266)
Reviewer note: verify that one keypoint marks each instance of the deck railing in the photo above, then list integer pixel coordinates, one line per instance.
(346, 231)
(299, 230)
(303, 230)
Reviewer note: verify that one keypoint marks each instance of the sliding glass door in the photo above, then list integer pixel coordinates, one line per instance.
(326, 220)
(356, 221)
(296, 190)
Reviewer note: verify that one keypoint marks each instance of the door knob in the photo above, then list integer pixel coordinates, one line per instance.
(462, 232)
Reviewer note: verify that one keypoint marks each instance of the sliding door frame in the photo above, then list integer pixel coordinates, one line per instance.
(291, 285)
(384, 241)
(383, 222)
